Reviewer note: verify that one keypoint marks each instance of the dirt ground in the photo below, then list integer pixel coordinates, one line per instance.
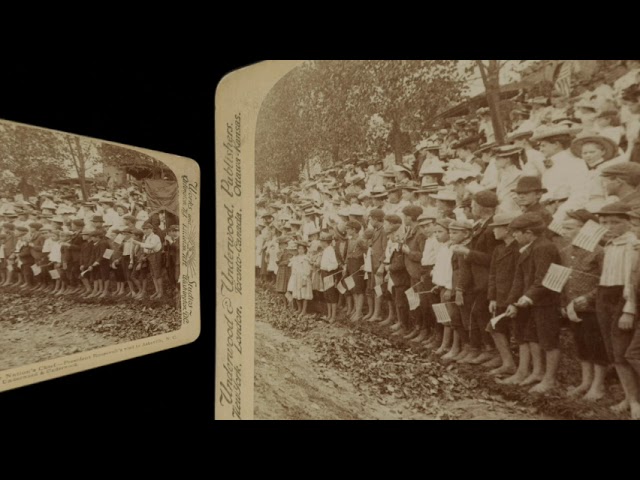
(23, 343)
(40, 327)
(289, 384)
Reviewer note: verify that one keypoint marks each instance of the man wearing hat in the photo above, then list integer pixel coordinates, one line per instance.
(378, 197)
(540, 305)
(475, 266)
(426, 156)
(446, 200)
(400, 279)
(529, 192)
(623, 181)
(616, 302)
(75, 247)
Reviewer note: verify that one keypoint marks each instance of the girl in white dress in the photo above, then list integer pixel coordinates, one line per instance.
(300, 281)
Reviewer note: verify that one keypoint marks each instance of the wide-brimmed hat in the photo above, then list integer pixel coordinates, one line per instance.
(528, 184)
(461, 225)
(446, 195)
(528, 221)
(429, 215)
(326, 237)
(608, 145)
(554, 131)
(357, 210)
(378, 192)
(485, 147)
(516, 134)
(431, 168)
(507, 151)
(582, 215)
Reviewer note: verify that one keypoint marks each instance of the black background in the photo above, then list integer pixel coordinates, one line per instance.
(166, 105)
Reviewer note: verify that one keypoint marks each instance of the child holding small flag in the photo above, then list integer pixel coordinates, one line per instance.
(442, 277)
(542, 306)
(356, 250)
(578, 305)
(616, 301)
(329, 269)
(501, 272)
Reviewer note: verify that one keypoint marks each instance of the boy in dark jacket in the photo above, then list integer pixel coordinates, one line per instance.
(542, 306)
(501, 273)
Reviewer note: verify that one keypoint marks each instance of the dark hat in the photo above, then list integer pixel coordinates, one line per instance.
(137, 231)
(45, 215)
(128, 230)
(302, 243)
(129, 217)
(22, 228)
(378, 192)
(377, 214)
(368, 234)
(624, 169)
(582, 215)
(485, 148)
(78, 222)
(507, 151)
(503, 219)
(35, 225)
(3, 236)
(174, 228)
(528, 221)
(97, 218)
(9, 226)
(616, 208)
(393, 219)
(147, 225)
(354, 225)
(466, 142)
(531, 184)
(413, 211)
(466, 202)
(486, 198)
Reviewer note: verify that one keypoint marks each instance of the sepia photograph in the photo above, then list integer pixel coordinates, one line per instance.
(434, 239)
(91, 252)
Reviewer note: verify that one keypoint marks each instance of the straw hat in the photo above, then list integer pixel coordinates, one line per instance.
(608, 145)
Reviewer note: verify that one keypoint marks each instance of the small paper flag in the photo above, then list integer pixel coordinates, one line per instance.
(36, 270)
(341, 288)
(378, 290)
(367, 261)
(10, 267)
(589, 236)
(275, 270)
(108, 253)
(350, 282)
(54, 274)
(288, 296)
(555, 227)
(442, 313)
(494, 321)
(120, 238)
(414, 299)
(390, 285)
(328, 282)
(556, 277)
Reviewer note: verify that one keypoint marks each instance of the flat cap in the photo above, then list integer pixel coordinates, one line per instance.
(413, 211)
(461, 225)
(528, 221)
(486, 198)
(616, 208)
(530, 184)
(444, 222)
(377, 214)
(22, 228)
(9, 226)
(622, 170)
(503, 219)
(35, 225)
(357, 226)
(393, 219)
(97, 218)
(78, 222)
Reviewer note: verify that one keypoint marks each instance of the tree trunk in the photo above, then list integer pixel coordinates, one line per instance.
(491, 79)
(396, 142)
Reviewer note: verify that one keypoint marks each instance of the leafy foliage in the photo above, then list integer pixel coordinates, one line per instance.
(336, 109)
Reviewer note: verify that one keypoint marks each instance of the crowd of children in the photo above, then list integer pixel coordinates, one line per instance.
(109, 245)
(452, 253)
